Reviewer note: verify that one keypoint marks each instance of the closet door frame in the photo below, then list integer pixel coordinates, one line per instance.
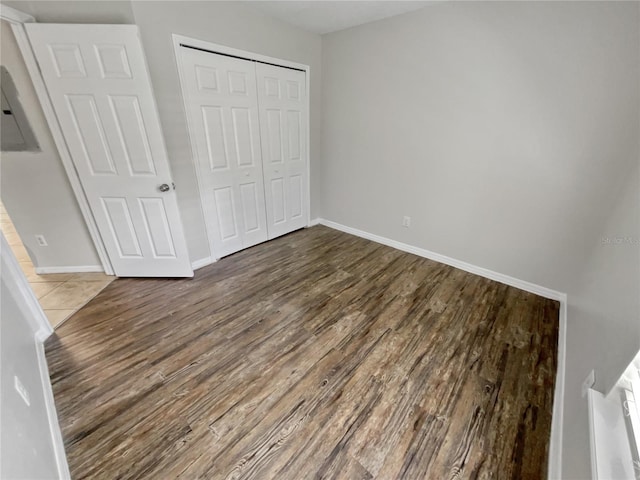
(178, 41)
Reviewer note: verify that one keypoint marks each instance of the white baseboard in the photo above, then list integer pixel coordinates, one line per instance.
(314, 222)
(467, 267)
(203, 262)
(52, 414)
(76, 269)
(555, 444)
(557, 419)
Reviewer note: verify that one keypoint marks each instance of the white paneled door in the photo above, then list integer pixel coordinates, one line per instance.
(99, 85)
(222, 104)
(282, 100)
(248, 122)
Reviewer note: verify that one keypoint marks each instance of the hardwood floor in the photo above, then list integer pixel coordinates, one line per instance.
(316, 355)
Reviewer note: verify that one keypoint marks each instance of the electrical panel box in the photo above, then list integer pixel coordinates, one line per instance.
(15, 131)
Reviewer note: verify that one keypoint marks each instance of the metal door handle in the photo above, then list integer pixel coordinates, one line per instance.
(164, 188)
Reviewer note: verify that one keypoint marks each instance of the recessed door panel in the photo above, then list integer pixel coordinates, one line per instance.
(226, 211)
(293, 134)
(133, 134)
(66, 59)
(248, 192)
(237, 83)
(121, 225)
(242, 136)
(207, 79)
(272, 87)
(157, 227)
(214, 133)
(274, 136)
(295, 198)
(100, 89)
(89, 132)
(113, 61)
(278, 200)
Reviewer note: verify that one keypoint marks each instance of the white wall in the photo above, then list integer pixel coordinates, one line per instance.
(26, 439)
(603, 318)
(34, 186)
(508, 131)
(501, 128)
(230, 24)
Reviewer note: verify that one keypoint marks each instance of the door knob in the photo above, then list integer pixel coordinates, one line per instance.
(164, 188)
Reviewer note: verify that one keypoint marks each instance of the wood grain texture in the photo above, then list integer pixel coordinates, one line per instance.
(316, 355)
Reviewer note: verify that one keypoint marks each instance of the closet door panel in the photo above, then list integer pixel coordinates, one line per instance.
(222, 104)
(283, 121)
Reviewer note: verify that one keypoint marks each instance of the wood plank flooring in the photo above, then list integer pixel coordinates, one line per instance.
(316, 355)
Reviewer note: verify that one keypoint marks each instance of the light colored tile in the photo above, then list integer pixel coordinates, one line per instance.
(13, 239)
(33, 277)
(21, 253)
(7, 228)
(90, 277)
(56, 317)
(43, 288)
(71, 295)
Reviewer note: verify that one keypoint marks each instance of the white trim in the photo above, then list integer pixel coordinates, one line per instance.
(38, 319)
(610, 443)
(592, 433)
(308, 199)
(56, 132)
(555, 443)
(72, 269)
(40, 325)
(52, 414)
(467, 267)
(203, 262)
(314, 222)
(14, 16)
(194, 42)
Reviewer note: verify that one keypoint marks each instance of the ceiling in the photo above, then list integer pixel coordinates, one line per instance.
(330, 16)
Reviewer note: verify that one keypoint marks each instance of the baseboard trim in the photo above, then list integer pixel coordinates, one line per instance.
(76, 269)
(467, 267)
(555, 443)
(203, 262)
(52, 414)
(314, 222)
(557, 418)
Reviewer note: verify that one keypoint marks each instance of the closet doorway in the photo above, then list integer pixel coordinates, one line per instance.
(248, 123)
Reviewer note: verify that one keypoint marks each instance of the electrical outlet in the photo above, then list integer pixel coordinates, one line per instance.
(589, 382)
(41, 241)
(406, 222)
(20, 388)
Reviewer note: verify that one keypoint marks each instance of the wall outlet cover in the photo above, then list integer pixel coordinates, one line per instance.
(41, 241)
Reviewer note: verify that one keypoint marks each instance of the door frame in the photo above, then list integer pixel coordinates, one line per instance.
(224, 49)
(17, 19)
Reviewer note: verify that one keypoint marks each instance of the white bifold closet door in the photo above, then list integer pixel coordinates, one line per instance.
(283, 126)
(248, 127)
(223, 106)
(97, 79)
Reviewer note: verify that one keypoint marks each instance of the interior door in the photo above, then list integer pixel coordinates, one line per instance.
(99, 85)
(222, 105)
(282, 100)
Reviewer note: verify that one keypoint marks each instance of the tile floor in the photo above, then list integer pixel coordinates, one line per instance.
(60, 294)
